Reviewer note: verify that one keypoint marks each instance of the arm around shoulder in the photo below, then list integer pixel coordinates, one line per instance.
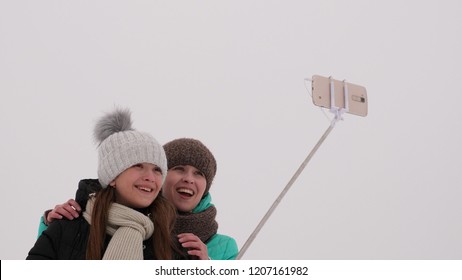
(43, 225)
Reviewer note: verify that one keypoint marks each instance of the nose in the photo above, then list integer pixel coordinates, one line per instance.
(149, 176)
(188, 177)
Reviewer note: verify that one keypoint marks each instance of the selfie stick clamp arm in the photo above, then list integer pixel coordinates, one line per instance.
(338, 112)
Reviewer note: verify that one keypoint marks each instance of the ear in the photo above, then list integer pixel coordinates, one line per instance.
(112, 184)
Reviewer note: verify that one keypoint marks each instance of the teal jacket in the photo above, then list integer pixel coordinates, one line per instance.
(219, 247)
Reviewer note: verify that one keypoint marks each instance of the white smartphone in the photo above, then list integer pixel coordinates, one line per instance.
(357, 95)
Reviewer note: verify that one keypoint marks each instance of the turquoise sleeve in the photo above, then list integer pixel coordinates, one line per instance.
(222, 247)
(42, 226)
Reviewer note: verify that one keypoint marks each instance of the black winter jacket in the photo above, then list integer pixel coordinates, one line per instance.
(67, 240)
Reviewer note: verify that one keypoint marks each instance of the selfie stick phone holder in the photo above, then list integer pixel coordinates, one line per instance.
(338, 115)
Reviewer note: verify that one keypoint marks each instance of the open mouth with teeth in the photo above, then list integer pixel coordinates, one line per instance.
(144, 189)
(185, 192)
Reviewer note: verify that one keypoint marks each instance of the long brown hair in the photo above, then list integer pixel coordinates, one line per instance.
(163, 215)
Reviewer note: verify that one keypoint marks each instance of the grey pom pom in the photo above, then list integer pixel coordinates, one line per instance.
(117, 121)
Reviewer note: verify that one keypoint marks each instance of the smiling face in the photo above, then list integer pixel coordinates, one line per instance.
(138, 186)
(184, 186)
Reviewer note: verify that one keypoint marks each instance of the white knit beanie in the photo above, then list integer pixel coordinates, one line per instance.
(121, 147)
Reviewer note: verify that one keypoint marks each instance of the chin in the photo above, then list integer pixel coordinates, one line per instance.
(184, 209)
(144, 204)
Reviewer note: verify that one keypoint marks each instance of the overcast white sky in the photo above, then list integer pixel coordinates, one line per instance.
(231, 73)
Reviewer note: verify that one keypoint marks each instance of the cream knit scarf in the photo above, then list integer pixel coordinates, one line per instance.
(128, 229)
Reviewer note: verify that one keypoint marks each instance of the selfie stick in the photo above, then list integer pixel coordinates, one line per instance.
(338, 112)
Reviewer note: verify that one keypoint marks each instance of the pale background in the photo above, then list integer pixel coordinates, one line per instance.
(231, 73)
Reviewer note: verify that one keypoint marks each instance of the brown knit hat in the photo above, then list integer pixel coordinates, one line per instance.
(187, 151)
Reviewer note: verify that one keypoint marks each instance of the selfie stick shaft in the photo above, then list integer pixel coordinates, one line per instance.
(286, 189)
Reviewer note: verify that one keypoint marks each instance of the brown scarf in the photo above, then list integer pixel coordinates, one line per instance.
(202, 224)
